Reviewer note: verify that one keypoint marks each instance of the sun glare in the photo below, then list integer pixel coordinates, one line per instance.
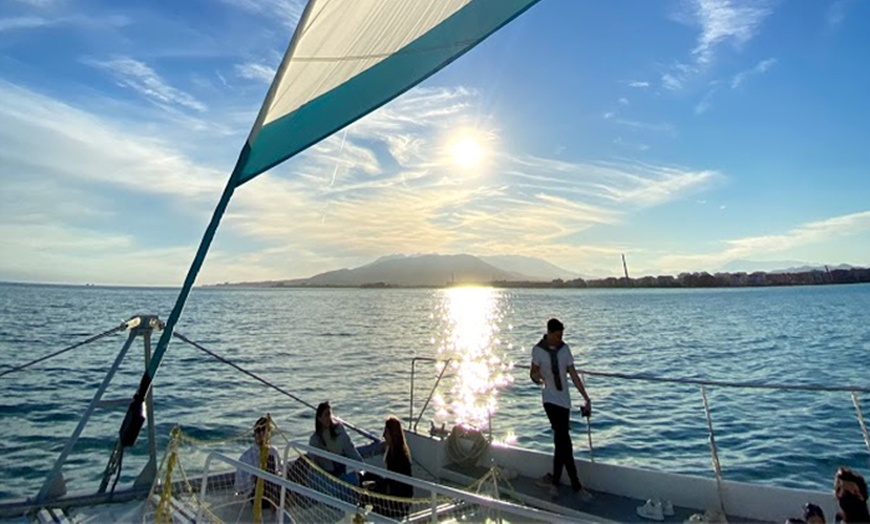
(466, 151)
(470, 319)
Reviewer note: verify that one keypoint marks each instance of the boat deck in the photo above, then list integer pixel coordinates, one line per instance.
(603, 507)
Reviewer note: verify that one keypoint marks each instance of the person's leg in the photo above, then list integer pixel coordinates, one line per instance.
(568, 458)
(557, 423)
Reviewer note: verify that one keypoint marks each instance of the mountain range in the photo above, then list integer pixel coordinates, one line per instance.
(433, 270)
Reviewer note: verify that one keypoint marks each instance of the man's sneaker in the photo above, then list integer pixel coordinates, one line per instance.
(583, 495)
(546, 481)
(667, 508)
(554, 491)
(651, 510)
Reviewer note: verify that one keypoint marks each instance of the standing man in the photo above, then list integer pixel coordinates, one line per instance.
(551, 362)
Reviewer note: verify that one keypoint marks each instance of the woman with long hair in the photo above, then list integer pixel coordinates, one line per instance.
(330, 435)
(397, 458)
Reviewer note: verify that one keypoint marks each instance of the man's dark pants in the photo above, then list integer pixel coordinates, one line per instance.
(560, 421)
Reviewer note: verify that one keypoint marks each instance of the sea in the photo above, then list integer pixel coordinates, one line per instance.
(357, 348)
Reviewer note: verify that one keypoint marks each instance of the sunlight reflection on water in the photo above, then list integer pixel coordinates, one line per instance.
(470, 319)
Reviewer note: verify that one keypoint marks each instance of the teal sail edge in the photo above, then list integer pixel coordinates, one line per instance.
(321, 117)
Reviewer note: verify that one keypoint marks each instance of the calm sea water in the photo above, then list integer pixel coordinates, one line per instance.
(354, 347)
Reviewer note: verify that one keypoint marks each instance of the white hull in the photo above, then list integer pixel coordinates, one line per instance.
(742, 501)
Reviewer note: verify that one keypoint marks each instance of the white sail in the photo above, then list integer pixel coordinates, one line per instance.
(349, 57)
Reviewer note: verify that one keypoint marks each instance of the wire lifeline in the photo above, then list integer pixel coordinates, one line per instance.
(719, 383)
(94, 338)
(367, 434)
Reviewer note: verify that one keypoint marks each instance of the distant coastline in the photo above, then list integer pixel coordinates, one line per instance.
(683, 280)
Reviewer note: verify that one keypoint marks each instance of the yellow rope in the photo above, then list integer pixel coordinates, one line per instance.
(264, 459)
(163, 513)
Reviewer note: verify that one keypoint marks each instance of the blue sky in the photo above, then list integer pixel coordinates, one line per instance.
(685, 134)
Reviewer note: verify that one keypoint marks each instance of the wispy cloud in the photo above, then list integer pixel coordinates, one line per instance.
(21, 23)
(286, 11)
(836, 13)
(254, 71)
(721, 22)
(624, 101)
(646, 126)
(38, 3)
(138, 76)
(808, 233)
(737, 81)
(706, 102)
(764, 245)
(638, 84)
(760, 68)
(92, 149)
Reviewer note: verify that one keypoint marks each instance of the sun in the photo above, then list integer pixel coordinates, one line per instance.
(466, 151)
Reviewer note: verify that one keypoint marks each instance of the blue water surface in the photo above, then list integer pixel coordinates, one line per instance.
(354, 347)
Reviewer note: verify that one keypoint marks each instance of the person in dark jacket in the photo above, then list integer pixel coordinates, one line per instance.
(397, 459)
(850, 488)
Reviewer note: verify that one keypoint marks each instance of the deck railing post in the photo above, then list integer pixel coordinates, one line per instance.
(431, 393)
(861, 423)
(54, 485)
(588, 426)
(434, 507)
(717, 468)
(411, 403)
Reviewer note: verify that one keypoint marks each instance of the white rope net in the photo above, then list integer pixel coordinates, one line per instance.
(300, 490)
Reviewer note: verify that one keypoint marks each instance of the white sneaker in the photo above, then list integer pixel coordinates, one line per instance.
(697, 518)
(667, 508)
(651, 510)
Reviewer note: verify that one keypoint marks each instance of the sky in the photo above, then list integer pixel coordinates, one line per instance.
(689, 135)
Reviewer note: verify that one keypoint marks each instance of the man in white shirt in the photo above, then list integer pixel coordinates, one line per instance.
(245, 482)
(551, 362)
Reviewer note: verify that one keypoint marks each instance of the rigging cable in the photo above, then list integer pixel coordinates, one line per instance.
(265, 382)
(94, 338)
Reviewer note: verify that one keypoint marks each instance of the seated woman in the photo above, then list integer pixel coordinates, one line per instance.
(245, 481)
(330, 435)
(850, 489)
(397, 459)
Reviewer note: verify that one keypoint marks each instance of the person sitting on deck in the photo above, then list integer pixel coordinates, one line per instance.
(245, 481)
(330, 435)
(397, 459)
(812, 515)
(850, 488)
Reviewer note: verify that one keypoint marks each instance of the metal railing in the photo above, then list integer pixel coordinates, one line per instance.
(702, 383)
(523, 513)
(520, 513)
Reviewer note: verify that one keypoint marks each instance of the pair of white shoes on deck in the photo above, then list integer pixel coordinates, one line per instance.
(656, 509)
